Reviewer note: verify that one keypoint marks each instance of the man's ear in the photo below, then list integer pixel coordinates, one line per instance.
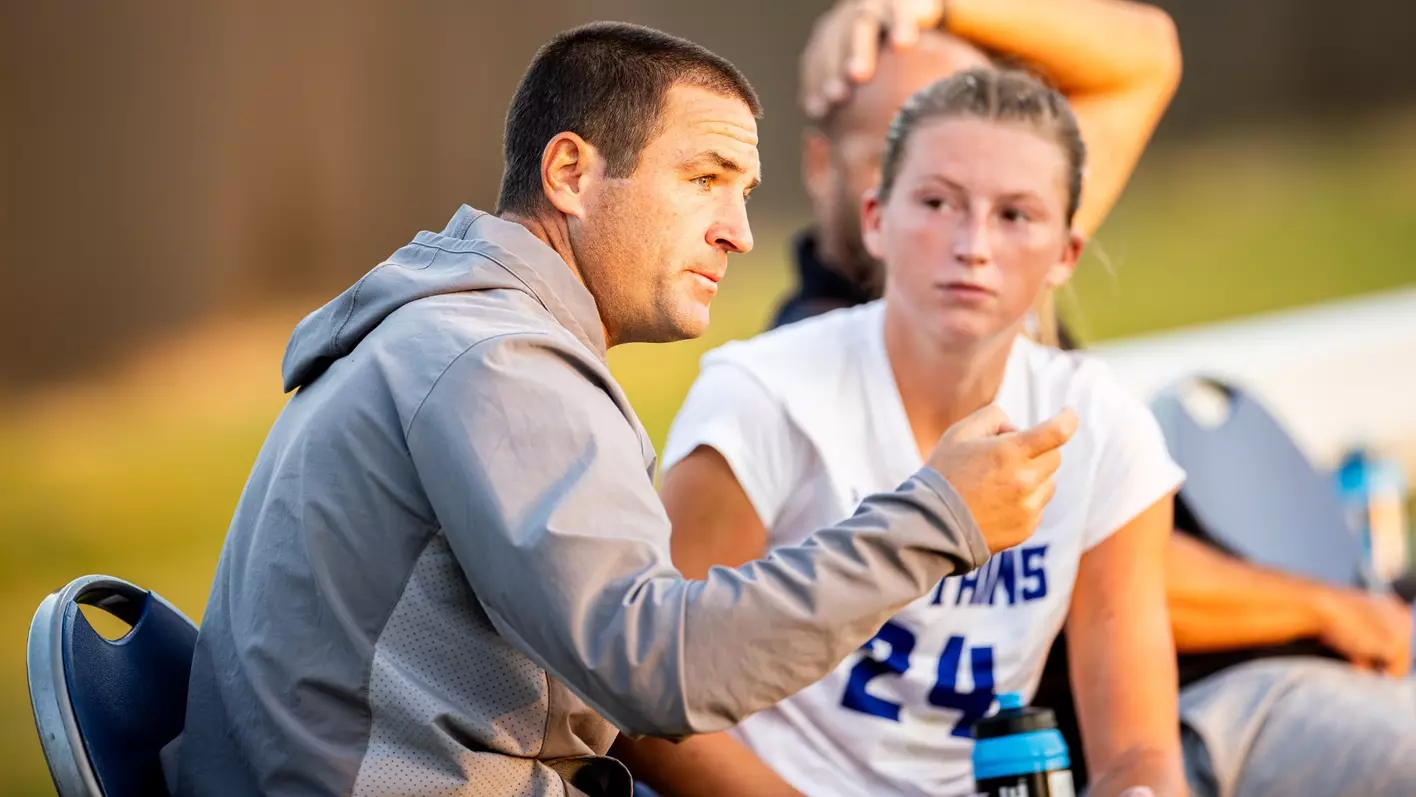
(568, 165)
(1062, 270)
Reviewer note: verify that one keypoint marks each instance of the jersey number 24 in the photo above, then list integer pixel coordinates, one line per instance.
(901, 641)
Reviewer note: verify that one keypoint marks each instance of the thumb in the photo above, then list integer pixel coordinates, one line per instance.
(987, 422)
(1050, 434)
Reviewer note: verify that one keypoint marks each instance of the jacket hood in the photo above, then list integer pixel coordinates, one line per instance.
(475, 252)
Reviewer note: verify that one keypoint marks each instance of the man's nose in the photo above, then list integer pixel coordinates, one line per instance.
(733, 233)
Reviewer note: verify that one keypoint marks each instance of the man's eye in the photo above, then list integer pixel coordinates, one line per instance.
(704, 181)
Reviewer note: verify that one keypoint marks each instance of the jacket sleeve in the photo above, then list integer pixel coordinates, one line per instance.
(537, 478)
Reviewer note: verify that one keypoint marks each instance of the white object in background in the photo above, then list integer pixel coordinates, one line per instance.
(1335, 375)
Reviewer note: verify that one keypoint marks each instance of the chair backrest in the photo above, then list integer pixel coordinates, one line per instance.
(105, 708)
(1252, 490)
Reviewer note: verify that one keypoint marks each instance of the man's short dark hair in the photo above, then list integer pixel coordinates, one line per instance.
(606, 82)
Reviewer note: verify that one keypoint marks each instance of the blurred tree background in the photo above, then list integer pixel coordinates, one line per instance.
(182, 181)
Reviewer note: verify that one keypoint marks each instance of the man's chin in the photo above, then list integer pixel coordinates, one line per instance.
(691, 327)
(685, 325)
(689, 332)
(695, 321)
(689, 323)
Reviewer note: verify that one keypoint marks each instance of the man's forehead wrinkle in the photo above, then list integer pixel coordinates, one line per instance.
(705, 126)
(725, 127)
(714, 114)
(710, 149)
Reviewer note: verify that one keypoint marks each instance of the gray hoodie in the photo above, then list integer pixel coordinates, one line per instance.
(449, 571)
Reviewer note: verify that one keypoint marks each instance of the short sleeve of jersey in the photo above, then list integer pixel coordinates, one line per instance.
(732, 412)
(1133, 468)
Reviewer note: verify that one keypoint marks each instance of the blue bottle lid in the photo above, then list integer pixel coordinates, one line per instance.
(1017, 740)
(1014, 717)
(1362, 472)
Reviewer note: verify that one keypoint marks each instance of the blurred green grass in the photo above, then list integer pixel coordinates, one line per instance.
(137, 475)
(1233, 227)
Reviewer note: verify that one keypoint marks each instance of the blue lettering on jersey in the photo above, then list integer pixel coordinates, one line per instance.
(1007, 578)
(986, 582)
(969, 582)
(1034, 567)
(999, 579)
(938, 592)
(901, 642)
(945, 693)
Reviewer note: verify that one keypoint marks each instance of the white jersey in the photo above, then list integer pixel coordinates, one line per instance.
(810, 420)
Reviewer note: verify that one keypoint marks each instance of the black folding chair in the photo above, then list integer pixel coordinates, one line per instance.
(105, 708)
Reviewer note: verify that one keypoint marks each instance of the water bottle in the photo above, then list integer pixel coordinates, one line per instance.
(1018, 752)
(1374, 493)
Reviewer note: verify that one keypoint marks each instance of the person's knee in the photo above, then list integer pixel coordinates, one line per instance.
(1336, 730)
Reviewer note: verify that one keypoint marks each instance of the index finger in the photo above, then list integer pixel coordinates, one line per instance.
(864, 48)
(1050, 434)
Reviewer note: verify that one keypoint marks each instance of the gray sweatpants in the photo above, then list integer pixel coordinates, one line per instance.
(1299, 727)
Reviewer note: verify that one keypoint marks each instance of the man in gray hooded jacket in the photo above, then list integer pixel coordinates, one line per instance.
(449, 572)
